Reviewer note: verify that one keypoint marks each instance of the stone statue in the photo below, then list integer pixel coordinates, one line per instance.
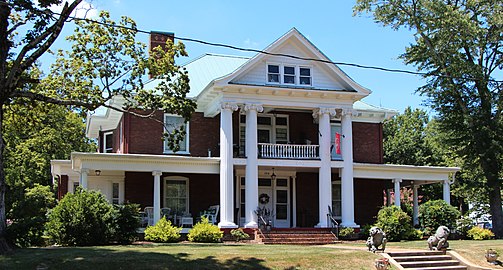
(439, 240)
(377, 237)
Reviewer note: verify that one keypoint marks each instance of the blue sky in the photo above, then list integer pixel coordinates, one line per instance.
(330, 25)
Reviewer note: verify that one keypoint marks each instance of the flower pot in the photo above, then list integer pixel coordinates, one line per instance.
(491, 256)
(381, 264)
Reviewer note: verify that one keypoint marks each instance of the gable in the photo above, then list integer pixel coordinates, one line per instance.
(324, 76)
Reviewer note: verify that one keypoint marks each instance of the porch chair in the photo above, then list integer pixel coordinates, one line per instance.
(149, 215)
(166, 212)
(211, 214)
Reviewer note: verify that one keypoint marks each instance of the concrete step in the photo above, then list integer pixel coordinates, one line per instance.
(419, 264)
(456, 267)
(422, 258)
(415, 253)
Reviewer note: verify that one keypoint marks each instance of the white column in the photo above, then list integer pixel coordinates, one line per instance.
(347, 196)
(415, 205)
(294, 200)
(83, 178)
(325, 171)
(226, 166)
(397, 182)
(447, 191)
(157, 195)
(251, 180)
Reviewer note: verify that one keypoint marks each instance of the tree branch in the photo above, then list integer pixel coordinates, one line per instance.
(44, 98)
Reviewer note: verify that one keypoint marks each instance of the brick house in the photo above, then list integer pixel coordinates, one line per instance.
(287, 134)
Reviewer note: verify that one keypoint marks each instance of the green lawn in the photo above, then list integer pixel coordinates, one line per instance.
(190, 256)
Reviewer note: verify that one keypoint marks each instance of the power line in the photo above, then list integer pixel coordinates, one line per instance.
(273, 54)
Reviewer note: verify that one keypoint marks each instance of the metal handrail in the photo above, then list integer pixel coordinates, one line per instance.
(332, 222)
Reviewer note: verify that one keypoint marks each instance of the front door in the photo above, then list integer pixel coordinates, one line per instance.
(275, 199)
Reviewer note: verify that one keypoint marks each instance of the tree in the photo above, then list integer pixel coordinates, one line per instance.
(105, 61)
(458, 47)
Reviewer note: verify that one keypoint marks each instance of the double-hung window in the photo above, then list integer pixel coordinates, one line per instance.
(172, 123)
(289, 74)
(176, 194)
(108, 142)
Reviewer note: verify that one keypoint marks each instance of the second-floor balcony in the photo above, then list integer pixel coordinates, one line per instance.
(288, 151)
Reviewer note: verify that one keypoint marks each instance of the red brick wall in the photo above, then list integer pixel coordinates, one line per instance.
(204, 134)
(145, 134)
(204, 190)
(302, 127)
(62, 186)
(367, 143)
(368, 199)
(307, 199)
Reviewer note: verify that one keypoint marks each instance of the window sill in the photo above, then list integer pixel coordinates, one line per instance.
(181, 153)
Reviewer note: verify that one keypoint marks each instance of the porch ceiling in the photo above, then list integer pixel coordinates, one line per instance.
(145, 163)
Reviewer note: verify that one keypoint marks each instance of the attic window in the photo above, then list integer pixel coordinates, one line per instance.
(289, 74)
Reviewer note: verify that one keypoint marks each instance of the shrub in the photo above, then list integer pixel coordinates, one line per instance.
(127, 221)
(346, 231)
(433, 214)
(395, 223)
(477, 233)
(81, 219)
(239, 234)
(463, 225)
(416, 235)
(29, 217)
(365, 231)
(163, 231)
(205, 232)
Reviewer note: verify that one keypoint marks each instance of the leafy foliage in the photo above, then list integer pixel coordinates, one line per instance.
(83, 218)
(346, 231)
(27, 228)
(457, 46)
(463, 225)
(205, 232)
(395, 223)
(477, 233)
(163, 231)
(433, 214)
(127, 220)
(239, 234)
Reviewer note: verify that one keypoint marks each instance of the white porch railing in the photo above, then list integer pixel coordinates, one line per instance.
(288, 151)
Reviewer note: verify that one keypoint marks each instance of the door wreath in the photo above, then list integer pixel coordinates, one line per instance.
(263, 198)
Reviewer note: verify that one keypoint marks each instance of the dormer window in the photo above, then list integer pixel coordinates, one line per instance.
(289, 74)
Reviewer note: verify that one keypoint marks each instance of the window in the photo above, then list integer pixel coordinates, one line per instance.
(289, 74)
(336, 199)
(75, 186)
(108, 142)
(115, 193)
(305, 76)
(270, 129)
(171, 123)
(176, 194)
(336, 141)
(273, 73)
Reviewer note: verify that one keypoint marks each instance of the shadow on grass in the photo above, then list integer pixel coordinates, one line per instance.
(144, 257)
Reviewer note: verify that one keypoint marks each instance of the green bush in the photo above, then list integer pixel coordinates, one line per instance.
(127, 221)
(395, 223)
(477, 233)
(205, 232)
(239, 234)
(365, 231)
(433, 214)
(81, 219)
(463, 225)
(163, 231)
(29, 216)
(416, 235)
(346, 231)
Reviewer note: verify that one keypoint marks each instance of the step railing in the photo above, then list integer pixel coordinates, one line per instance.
(288, 151)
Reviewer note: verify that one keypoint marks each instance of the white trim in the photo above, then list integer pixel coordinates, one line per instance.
(105, 149)
(177, 178)
(166, 149)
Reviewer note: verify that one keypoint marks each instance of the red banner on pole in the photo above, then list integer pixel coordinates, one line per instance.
(337, 143)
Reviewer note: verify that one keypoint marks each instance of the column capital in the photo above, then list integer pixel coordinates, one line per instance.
(253, 107)
(347, 112)
(397, 180)
(320, 111)
(156, 173)
(228, 106)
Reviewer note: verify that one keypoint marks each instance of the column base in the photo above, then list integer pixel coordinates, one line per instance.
(227, 225)
(349, 225)
(251, 224)
(321, 225)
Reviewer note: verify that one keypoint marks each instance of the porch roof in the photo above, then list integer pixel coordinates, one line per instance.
(144, 163)
(405, 172)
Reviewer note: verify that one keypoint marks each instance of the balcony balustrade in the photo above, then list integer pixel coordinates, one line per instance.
(288, 151)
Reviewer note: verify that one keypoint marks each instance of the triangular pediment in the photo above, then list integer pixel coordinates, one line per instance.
(293, 50)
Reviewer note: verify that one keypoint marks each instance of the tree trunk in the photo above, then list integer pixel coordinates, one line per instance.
(4, 245)
(496, 206)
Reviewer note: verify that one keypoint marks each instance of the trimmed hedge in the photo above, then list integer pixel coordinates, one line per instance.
(395, 223)
(205, 232)
(433, 214)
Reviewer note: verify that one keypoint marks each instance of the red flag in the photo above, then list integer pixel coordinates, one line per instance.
(337, 143)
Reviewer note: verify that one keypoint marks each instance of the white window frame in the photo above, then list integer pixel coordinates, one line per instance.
(116, 200)
(337, 182)
(282, 73)
(187, 133)
(105, 149)
(273, 126)
(177, 178)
